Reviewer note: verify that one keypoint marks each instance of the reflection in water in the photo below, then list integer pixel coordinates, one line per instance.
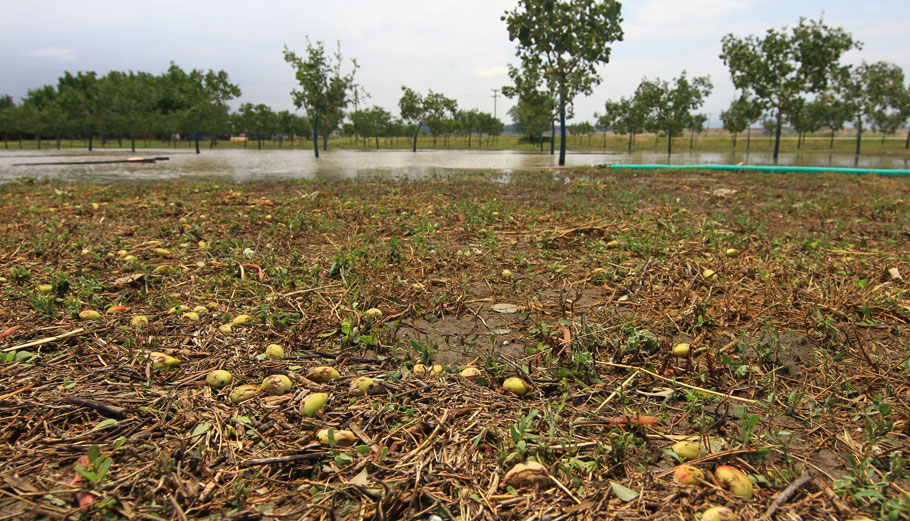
(250, 165)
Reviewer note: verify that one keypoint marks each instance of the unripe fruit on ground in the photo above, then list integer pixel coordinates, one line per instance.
(734, 480)
(242, 393)
(323, 374)
(530, 474)
(361, 386)
(313, 404)
(681, 350)
(687, 450)
(218, 379)
(686, 474)
(515, 385)
(342, 438)
(274, 352)
(719, 514)
(277, 384)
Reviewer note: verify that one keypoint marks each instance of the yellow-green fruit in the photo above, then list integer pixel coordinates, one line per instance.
(598, 272)
(681, 350)
(162, 252)
(709, 274)
(342, 438)
(719, 514)
(687, 450)
(360, 386)
(89, 314)
(218, 378)
(613, 244)
(471, 373)
(164, 269)
(734, 480)
(202, 244)
(686, 474)
(313, 404)
(274, 352)
(277, 384)
(176, 309)
(122, 253)
(731, 252)
(323, 374)
(242, 393)
(225, 328)
(200, 309)
(506, 274)
(161, 360)
(419, 370)
(516, 385)
(530, 474)
(437, 369)
(128, 258)
(139, 320)
(191, 315)
(240, 320)
(45, 288)
(372, 314)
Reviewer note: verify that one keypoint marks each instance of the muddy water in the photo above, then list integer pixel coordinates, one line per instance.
(249, 165)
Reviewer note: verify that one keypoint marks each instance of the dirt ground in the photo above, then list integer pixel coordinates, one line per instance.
(790, 291)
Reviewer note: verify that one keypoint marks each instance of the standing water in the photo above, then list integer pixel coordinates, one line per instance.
(252, 165)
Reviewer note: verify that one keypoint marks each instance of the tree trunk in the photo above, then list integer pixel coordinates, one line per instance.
(859, 133)
(734, 140)
(907, 143)
(777, 134)
(325, 142)
(691, 139)
(316, 135)
(416, 133)
(883, 138)
(196, 140)
(799, 140)
(39, 142)
(133, 143)
(258, 143)
(669, 142)
(831, 144)
(630, 140)
(90, 141)
(280, 140)
(748, 138)
(377, 141)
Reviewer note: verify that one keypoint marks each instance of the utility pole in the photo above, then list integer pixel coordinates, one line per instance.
(495, 95)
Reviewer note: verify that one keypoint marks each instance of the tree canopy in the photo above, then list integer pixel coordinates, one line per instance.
(324, 89)
(566, 40)
(670, 107)
(782, 67)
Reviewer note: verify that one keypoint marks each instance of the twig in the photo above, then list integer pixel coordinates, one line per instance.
(785, 495)
(641, 280)
(622, 386)
(696, 388)
(283, 459)
(111, 411)
(44, 340)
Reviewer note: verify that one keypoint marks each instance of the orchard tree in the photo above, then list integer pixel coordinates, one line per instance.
(872, 91)
(8, 118)
(489, 125)
(428, 110)
(696, 125)
(782, 67)
(467, 122)
(568, 39)
(371, 123)
(324, 89)
(81, 101)
(537, 108)
(629, 116)
(671, 106)
(742, 114)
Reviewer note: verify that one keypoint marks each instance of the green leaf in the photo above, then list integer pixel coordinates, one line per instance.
(201, 429)
(103, 468)
(362, 449)
(93, 452)
(104, 423)
(623, 493)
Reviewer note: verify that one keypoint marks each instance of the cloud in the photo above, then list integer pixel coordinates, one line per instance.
(54, 53)
(490, 73)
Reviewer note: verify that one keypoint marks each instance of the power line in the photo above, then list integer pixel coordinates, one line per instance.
(495, 95)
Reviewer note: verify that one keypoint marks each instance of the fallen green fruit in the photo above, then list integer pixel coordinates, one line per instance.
(313, 404)
(277, 384)
(191, 315)
(719, 514)
(734, 480)
(515, 385)
(687, 450)
(686, 474)
(89, 314)
(45, 288)
(323, 374)
(139, 320)
(218, 379)
(471, 373)
(240, 320)
(372, 314)
(342, 438)
(161, 360)
(361, 386)
(530, 474)
(242, 393)
(274, 352)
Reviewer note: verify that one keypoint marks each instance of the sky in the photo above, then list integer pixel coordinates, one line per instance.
(459, 48)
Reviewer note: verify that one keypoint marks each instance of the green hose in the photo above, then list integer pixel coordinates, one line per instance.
(763, 168)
